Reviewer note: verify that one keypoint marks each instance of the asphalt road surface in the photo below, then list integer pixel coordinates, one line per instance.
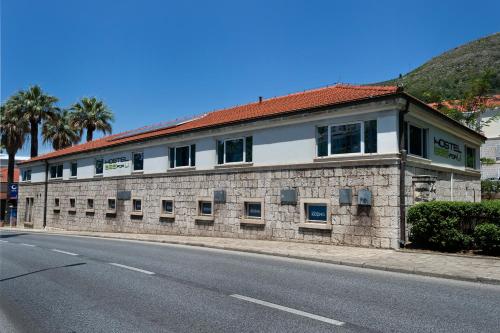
(51, 283)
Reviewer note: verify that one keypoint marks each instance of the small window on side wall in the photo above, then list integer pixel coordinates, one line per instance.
(167, 207)
(57, 205)
(136, 206)
(90, 204)
(72, 204)
(253, 211)
(138, 161)
(417, 141)
(204, 209)
(111, 206)
(73, 169)
(99, 166)
(470, 157)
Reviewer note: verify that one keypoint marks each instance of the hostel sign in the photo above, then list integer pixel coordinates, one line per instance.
(117, 163)
(447, 149)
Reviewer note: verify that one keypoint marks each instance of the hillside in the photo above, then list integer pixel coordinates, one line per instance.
(449, 73)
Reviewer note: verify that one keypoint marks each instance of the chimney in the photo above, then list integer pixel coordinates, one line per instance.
(260, 99)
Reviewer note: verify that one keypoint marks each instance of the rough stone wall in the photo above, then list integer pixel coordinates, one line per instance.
(490, 149)
(375, 226)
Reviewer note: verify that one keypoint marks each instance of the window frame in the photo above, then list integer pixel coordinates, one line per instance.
(133, 210)
(90, 209)
(329, 139)
(57, 205)
(199, 215)
(109, 210)
(190, 162)
(475, 167)
(424, 140)
(24, 175)
(133, 161)
(56, 166)
(315, 224)
(244, 154)
(71, 169)
(164, 213)
(95, 167)
(247, 219)
(72, 208)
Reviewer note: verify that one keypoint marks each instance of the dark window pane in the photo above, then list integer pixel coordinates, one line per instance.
(90, 203)
(53, 171)
(220, 152)
(405, 138)
(248, 148)
(316, 212)
(167, 206)
(425, 134)
(74, 169)
(59, 171)
(346, 139)
(470, 157)
(137, 205)
(206, 208)
(415, 141)
(322, 140)
(234, 150)
(72, 203)
(371, 136)
(138, 161)
(182, 156)
(172, 157)
(98, 166)
(254, 209)
(111, 204)
(193, 155)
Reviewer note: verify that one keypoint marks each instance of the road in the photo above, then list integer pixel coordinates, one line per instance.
(51, 283)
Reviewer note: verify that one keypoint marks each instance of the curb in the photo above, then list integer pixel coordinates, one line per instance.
(477, 279)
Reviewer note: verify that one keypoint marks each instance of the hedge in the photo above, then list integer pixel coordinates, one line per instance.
(455, 226)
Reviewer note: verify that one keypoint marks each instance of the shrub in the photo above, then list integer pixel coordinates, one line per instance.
(487, 237)
(450, 226)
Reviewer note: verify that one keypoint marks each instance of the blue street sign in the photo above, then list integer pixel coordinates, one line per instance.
(13, 191)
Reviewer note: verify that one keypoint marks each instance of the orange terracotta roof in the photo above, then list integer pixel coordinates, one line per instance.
(490, 102)
(3, 175)
(337, 94)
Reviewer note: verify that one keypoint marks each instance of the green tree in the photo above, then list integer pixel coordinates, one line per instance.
(91, 114)
(13, 130)
(35, 106)
(470, 109)
(58, 130)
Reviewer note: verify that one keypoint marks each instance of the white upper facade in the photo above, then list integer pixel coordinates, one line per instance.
(367, 129)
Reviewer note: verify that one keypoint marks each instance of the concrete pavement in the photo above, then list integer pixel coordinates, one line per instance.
(459, 267)
(54, 283)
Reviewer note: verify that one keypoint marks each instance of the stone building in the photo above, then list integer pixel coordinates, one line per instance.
(326, 165)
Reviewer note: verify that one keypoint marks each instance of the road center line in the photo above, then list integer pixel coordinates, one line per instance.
(68, 253)
(132, 268)
(290, 310)
(27, 244)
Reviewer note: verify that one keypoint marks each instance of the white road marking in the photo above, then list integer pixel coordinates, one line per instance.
(132, 268)
(27, 244)
(290, 310)
(61, 251)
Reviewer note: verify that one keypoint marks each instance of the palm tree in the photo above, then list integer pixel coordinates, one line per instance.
(58, 130)
(91, 114)
(35, 106)
(13, 130)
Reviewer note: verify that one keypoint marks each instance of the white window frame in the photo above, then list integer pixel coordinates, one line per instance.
(109, 210)
(71, 169)
(244, 150)
(134, 153)
(95, 164)
(134, 211)
(56, 166)
(362, 139)
(23, 176)
(164, 213)
(175, 153)
(422, 143)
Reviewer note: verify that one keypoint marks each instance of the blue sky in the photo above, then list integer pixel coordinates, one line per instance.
(154, 60)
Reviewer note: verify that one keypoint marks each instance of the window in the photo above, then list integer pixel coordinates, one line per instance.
(138, 161)
(205, 208)
(316, 212)
(90, 204)
(111, 206)
(73, 169)
(57, 205)
(167, 207)
(56, 171)
(253, 210)
(235, 150)
(72, 204)
(347, 138)
(417, 141)
(136, 205)
(470, 157)
(99, 166)
(183, 156)
(26, 175)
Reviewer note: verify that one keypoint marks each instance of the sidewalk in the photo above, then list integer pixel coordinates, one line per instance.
(458, 267)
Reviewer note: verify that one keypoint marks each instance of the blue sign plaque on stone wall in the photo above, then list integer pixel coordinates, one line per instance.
(316, 212)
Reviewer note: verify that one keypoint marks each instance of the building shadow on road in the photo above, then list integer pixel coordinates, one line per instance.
(42, 270)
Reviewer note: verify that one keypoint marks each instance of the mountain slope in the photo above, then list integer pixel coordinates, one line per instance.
(449, 73)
